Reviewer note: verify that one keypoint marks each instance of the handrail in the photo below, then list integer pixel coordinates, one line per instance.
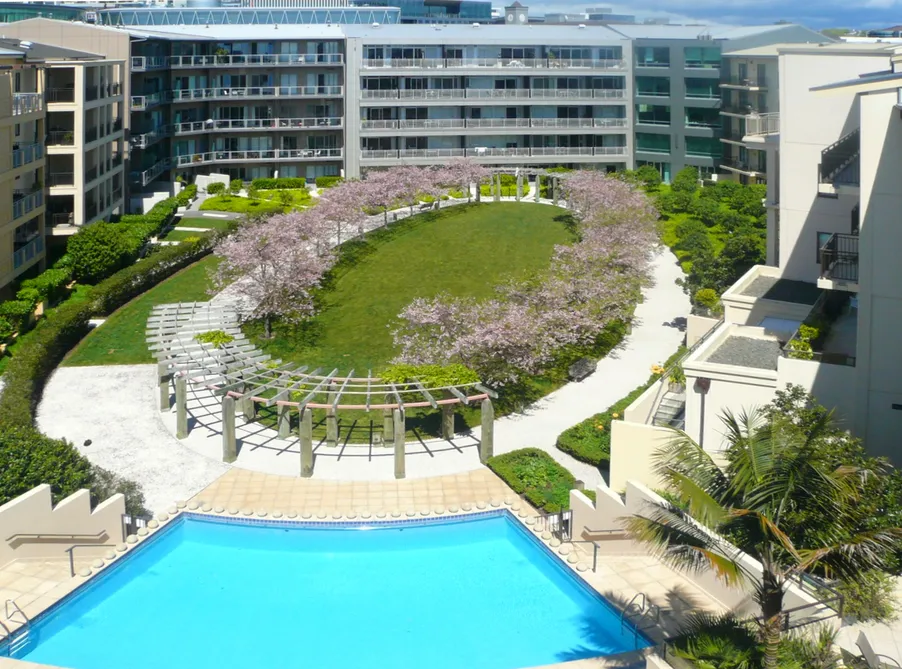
(632, 602)
(7, 636)
(594, 550)
(16, 609)
(55, 536)
(71, 552)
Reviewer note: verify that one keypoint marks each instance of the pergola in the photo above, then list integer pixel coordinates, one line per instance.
(523, 174)
(244, 378)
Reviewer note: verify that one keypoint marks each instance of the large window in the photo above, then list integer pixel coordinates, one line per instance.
(652, 56)
(707, 147)
(658, 87)
(702, 88)
(698, 117)
(652, 143)
(702, 56)
(653, 114)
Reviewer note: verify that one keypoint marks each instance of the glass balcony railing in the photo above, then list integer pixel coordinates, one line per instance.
(480, 63)
(25, 204)
(191, 94)
(145, 63)
(263, 155)
(491, 123)
(492, 152)
(27, 103)
(27, 154)
(257, 59)
(28, 252)
(219, 125)
(500, 94)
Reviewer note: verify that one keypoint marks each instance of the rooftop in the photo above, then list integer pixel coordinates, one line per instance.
(765, 51)
(840, 48)
(34, 51)
(747, 352)
(782, 290)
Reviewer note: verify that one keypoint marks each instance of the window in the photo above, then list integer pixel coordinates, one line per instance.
(705, 147)
(702, 88)
(822, 239)
(653, 86)
(762, 74)
(702, 56)
(653, 114)
(698, 117)
(652, 143)
(652, 56)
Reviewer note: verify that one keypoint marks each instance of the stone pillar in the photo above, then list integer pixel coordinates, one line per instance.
(331, 420)
(229, 443)
(496, 179)
(400, 430)
(388, 425)
(519, 186)
(487, 444)
(284, 421)
(538, 183)
(478, 191)
(306, 442)
(246, 405)
(554, 190)
(164, 377)
(447, 421)
(181, 407)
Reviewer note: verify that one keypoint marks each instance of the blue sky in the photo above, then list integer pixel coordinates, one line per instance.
(813, 13)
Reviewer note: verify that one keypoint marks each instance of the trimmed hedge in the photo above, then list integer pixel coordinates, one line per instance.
(590, 440)
(279, 184)
(216, 188)
(50, 284)
(328, 182)
(534, 474)
(17, 312)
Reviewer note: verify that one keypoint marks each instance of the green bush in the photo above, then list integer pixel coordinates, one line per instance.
(708, 298)
(871, 599)
(98, 251)
(17, 312)
(30, 295)
(218, 338)
(507, 190)
(6, 329)
(280, 183)
(240, 205)
(216, 188)
(50, 284)
(535, 475)
(187, 194)
(328, 182)
(431, 376)
(235, 186)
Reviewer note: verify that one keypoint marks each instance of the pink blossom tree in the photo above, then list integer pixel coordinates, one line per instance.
(342, 206)
(382, 191)
(461, 172)
(275, 265)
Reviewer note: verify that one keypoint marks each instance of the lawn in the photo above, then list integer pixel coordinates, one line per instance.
(177, 235)
(300, 197)
(239, 205)
(120, 340)
(211, 223)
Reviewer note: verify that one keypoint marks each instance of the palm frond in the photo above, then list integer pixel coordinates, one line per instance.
(702, 506)
(851, 558)
(681, 454)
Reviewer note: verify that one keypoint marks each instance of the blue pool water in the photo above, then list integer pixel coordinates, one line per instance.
(474, 594)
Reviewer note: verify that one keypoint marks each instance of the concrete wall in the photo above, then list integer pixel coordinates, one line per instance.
(831, 385)
(878, 412)
(633, 446)
(745, 310)
(697, 327)
(69, 522)
(204, 180)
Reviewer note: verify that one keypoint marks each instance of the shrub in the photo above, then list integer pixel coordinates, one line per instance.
(240, 205)
(98, 251)
(431, 376)
(6, 329)
(235, 186)
(327, 182)
(216, 188)
(535, 475)
(649, 177)
(105, 484)
(686, 180)
(30, 295)
(218, 338)
(50, 284)
(187, 194)
(286, 199)
(17, 312)
(707, 298)
(507, 190)
(280, 183)
(871, 599)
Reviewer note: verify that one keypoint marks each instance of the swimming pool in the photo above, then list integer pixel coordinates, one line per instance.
(472, 592)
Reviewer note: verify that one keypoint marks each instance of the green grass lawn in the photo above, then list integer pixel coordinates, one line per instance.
(300, 197)
(239, 205)
(120, 340)
(176, 235)
(211, 223)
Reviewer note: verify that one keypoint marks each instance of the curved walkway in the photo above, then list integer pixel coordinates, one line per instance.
(116, 408)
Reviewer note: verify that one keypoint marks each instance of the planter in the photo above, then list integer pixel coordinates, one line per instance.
(181, 210)
(678, 388)
(39, 310)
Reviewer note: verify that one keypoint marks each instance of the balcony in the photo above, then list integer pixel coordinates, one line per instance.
(63, 95)
(146, 63)
(266, 155)
(142, 102)
(840, 166)
(390, 156)
(491, 95)
(494, 63)
(27, 154)
(28, 252)
(27, 103)
(839, 261)
(146, 139)
(61, 179)
(262, 124)
(750, 168)
(267, 92)
(61, 138)
(744, 83)
(24, 204)
(102, 91)
(61, 219)
(760, 126)
(652, 63)
(148, 175)
(457, 124)
(257, 60)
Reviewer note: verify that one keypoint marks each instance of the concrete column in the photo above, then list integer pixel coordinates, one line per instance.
(181, 407)
(284, 421)
(519, 186)
(496, 179)
(229, 443)
(331, 420)
(400, 465)
(388, 425)
(554, 190)
(306, 441)
(538, 192)
(164, 377)
(478, 192)
(447, 421)
(487, 445)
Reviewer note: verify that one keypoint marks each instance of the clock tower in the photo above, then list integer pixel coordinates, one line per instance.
(516, 14)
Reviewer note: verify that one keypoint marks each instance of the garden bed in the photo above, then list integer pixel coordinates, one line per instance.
(534, 474)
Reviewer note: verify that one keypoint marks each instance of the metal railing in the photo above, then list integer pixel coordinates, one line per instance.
(213, 125)
(144, 63)
(652, 63)
(559, 524)
(512, 63)
(149, 100)
(653, 94)
(146, 139)
(131, 523)
(256, 59)
(28, 252)
(62, 218)
(492, 123)
(60, 95)
(839, 258)
(230, 93)
(744, 82)
(27, 103)
(256, 155)
(61, 179)
(763, 124)
(488, 152)
(61, 138)
(27, 204)
(797, 352)
(27, 154)
(439, 94)
(148, 175)
(752, 167)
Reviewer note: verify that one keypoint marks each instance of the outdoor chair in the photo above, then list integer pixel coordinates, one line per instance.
(873, 659)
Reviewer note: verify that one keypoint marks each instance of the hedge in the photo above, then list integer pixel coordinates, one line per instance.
(215, 188)
(280, 183)
(534, 474)
(50, 284)
(328, 182)
(590, 440)
(17, 312)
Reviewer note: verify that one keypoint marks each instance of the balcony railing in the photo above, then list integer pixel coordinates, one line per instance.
(745, 166)
(839, 258)
(218, 125)
(744, 82)
(151, 173)
(146, 139)
(652, 63)
(190, 94)
(62, 218)
(60, 95)
(257, 60)
(27, 103)
(653, 94)
(702, 65)
(487, 152)
(763, 124)
(27, 154)
(264, 155)
(25, 204)
(702, 123)
(501, 63)
(102, 91)
(144, 63)
(61, 179)
(703, 95)
(495, 94)
(29, 252)
(492, 123)
(142, 102)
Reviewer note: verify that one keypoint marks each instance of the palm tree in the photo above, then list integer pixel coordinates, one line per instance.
(771, 472)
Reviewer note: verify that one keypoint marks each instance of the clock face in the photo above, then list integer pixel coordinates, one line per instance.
(522, 17)
(510, 17)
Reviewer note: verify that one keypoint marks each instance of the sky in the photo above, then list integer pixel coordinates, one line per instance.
(818, 14)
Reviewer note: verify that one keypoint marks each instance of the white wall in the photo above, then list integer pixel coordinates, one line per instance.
(829, 383)
(697, 327)
(633, 446)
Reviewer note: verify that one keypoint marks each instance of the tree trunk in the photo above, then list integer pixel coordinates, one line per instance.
(267, 327)
(771, 600)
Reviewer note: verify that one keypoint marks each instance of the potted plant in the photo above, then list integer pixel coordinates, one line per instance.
(222, 55)
(677, 378)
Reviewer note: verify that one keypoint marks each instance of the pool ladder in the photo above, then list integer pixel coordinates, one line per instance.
(19, 639)
(639, 610)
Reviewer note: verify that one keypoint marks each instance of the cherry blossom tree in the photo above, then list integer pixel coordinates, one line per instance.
(274, 265)
(461, 172)
(381, 190)
(343, 205)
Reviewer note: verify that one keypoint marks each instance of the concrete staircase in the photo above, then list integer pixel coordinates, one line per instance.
(671, 412)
